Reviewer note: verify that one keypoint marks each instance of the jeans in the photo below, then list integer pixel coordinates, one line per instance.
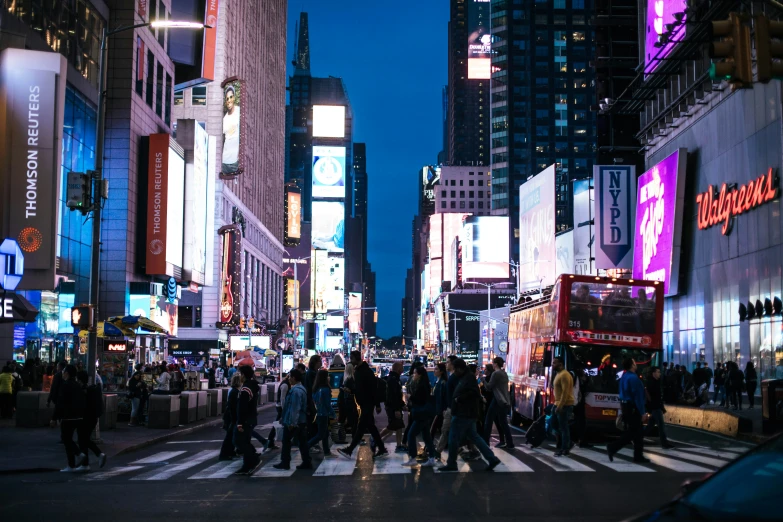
(560, 423)
(366, 425)
(656, 418)
(444, 432)
(720, 392)
(497, 413)
(420, 427)
(322, 435)
(466, 429)
(67, 429)
(86, 444)
(242, 442)
(633, 432)
(300, 432)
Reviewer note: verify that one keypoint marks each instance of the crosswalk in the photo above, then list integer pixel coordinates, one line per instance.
(203, 464)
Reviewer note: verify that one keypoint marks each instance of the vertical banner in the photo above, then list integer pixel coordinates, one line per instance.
(293, 216)
(210, 40)
(615, 208)
(537, 249)
(230, 276)
(584, 230)
(233, 160)
(157, 204)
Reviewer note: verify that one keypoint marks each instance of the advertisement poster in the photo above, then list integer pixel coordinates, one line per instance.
(233, 130)
(328, 225)
(430, 178)
(230, 275)
(659, 209)
(328, 172)
(328, 283)
(565, 253)
(584, 231)
(537, 249)
(297, 262)
(195, 140)
(660, 13)
(615, 205)
(293, 218)
(485, 248)
(354, 312)
(479, 40)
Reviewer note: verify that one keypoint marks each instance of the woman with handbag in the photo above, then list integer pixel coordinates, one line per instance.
(422, 410)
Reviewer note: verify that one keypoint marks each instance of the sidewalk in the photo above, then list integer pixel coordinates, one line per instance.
(742, 424)
(754, 415)
(28, 450)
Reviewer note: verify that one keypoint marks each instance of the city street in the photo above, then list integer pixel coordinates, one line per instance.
(183, 478)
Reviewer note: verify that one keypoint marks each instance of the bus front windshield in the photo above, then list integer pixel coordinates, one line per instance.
(603, 365)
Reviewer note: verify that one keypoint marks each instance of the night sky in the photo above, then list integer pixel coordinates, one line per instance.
(392, 58)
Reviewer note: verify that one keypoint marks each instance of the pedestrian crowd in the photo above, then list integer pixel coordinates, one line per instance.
(730, 382)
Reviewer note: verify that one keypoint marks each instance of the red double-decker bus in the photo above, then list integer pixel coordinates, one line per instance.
(593, 323)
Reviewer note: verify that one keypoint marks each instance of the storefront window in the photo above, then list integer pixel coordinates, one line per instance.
(765, 341)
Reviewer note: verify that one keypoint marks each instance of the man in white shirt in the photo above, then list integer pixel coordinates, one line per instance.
(163, 381)
(231, 128)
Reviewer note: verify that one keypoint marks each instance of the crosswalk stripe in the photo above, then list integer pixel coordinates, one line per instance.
(735, 449)
(172, 469)
(103, 475)
(219, 470)
(713, 453)
(268, 471)
(688, 456)
(391, 465)
(622, 466)
(336, 466)
(556, 463)
(162, 456)
(676, 465)
(509, 463)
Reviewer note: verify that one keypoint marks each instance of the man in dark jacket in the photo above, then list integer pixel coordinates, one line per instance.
(57, 381)
(394, 405)
(247, 418)
(464, 414)
(366, 391)
(92, 412)
(654, 395)
(451, 385)
(720, 385)
(313, 365)
(252, 383)
(69, 410)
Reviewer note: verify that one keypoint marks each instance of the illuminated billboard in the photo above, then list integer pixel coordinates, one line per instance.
(328, 121)
(297, 262)
(328, 225)
(564, 243)
(165, 205)
(485, 247)
(479, 40)
(354, 312)
(659, 209)
(293, 216)
(230, 275)
(430, 178)
(233, 159)
(584, 231)
(156, 308)
(660, 13)
(537, 250)
(328, 282)
(328, 172)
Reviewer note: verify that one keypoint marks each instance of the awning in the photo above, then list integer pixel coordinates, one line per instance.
(137, 321)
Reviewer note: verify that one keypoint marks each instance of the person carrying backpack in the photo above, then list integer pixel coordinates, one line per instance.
(92, 412)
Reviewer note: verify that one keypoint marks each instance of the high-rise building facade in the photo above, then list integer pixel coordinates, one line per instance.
(464, 190)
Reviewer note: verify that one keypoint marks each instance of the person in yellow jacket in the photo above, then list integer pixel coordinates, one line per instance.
(6, 393)
(564, 405)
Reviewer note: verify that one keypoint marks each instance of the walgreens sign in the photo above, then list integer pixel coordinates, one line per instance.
(722, 206)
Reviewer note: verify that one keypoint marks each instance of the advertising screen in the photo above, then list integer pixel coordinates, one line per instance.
(485, 247)
(288, 362)
(176, 207)
(430, 178)
(615, 204)
(659, 209)
(240, 343)
(565, 253)
(329, 282)
(328, 121)
(452, 228)
(582, 243)
(479, 40)
(537, 250)
(233, 130)
(195, 139)
(328, 225)
(293, 221)
(328, 172)
(354, 312)
(165, 205)
(230, 275)
(300, 256)
(659, 14)
(164, 314)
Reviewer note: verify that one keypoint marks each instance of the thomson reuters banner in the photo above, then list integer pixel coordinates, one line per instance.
(32, 97)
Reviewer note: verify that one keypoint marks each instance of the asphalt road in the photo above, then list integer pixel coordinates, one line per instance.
(182, 478)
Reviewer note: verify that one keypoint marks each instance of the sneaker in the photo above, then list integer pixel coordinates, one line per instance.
(280, 465)
(67, 469)
(80, 458)
(381, 454)
(501, 445)
(429, 463)
(560, 453)
(245, 471)
(101, 460)
(82, 469)
(410, 463)
(492, 465)
(343, 452)
(447, 469)
(400, 449)
(315, 449)
(305, 465)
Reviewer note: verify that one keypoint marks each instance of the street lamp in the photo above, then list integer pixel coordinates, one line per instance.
(97, 177)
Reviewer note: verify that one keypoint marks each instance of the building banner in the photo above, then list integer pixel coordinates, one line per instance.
(157, 204)
(537, 248)
(615, 209)
(230, 276)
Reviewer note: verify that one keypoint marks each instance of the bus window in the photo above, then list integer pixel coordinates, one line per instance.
(614, 308)
(604, 364)
(536, 361)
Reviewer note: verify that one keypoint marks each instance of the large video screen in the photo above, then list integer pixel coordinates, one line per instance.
(537, 249)
(328, 121)
(485, 247)
(354, 312)
(233, 135)
(660, 13)
(479, 40)
(328, 283)
(328, 172)
(328, 225)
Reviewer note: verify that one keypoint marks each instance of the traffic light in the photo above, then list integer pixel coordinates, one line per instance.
(78, 194)
(82, 317)
(769, 47)
(731, 46)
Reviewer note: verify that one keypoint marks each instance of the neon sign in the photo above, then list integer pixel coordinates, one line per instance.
(722, 206)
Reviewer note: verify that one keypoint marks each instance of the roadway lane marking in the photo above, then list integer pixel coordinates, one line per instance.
(391, 465)
(738, 450)
(509, 463)
(112, 473)
(172, 469)
(157, 458)
(336, 466)
(267, 470)
(218, 471)
(688, 456)
(713, 453)
(622, 466)
(556, 463)
(664, 462)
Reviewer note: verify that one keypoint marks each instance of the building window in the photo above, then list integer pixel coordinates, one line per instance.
(167, 101)
(179, 98)
(453, 193)
(150, 77)
(198, 95)
(453, 204)
(461, 204)
(471, 204)
(159, 93)
(481, 193)
(481, 204)
(443, 193)
(139, 66)
(442, 204)
(453, 183)
(471, 173)
(462, 193)
(481, 183)
(470, 183)
(461, 182)
(471, 194)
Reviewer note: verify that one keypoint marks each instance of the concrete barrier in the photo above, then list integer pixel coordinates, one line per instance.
(214, 403)
(108, 420)
(262, 394)
(188, 407)
(163, 411)
(201, 405)
(716, 421)
(31, 409)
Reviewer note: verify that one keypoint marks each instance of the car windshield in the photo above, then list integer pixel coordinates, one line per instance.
(604, 364)
(745, 490)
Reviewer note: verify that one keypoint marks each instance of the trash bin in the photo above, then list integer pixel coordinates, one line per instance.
(772, 405)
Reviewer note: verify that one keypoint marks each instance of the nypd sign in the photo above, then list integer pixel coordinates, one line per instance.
(615, 205)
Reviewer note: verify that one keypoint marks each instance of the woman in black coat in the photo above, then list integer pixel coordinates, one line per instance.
(736, 381)
(228, 449)
(751, 382)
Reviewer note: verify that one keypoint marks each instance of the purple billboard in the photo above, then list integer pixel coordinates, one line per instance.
(659, 209)
(659, 14)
